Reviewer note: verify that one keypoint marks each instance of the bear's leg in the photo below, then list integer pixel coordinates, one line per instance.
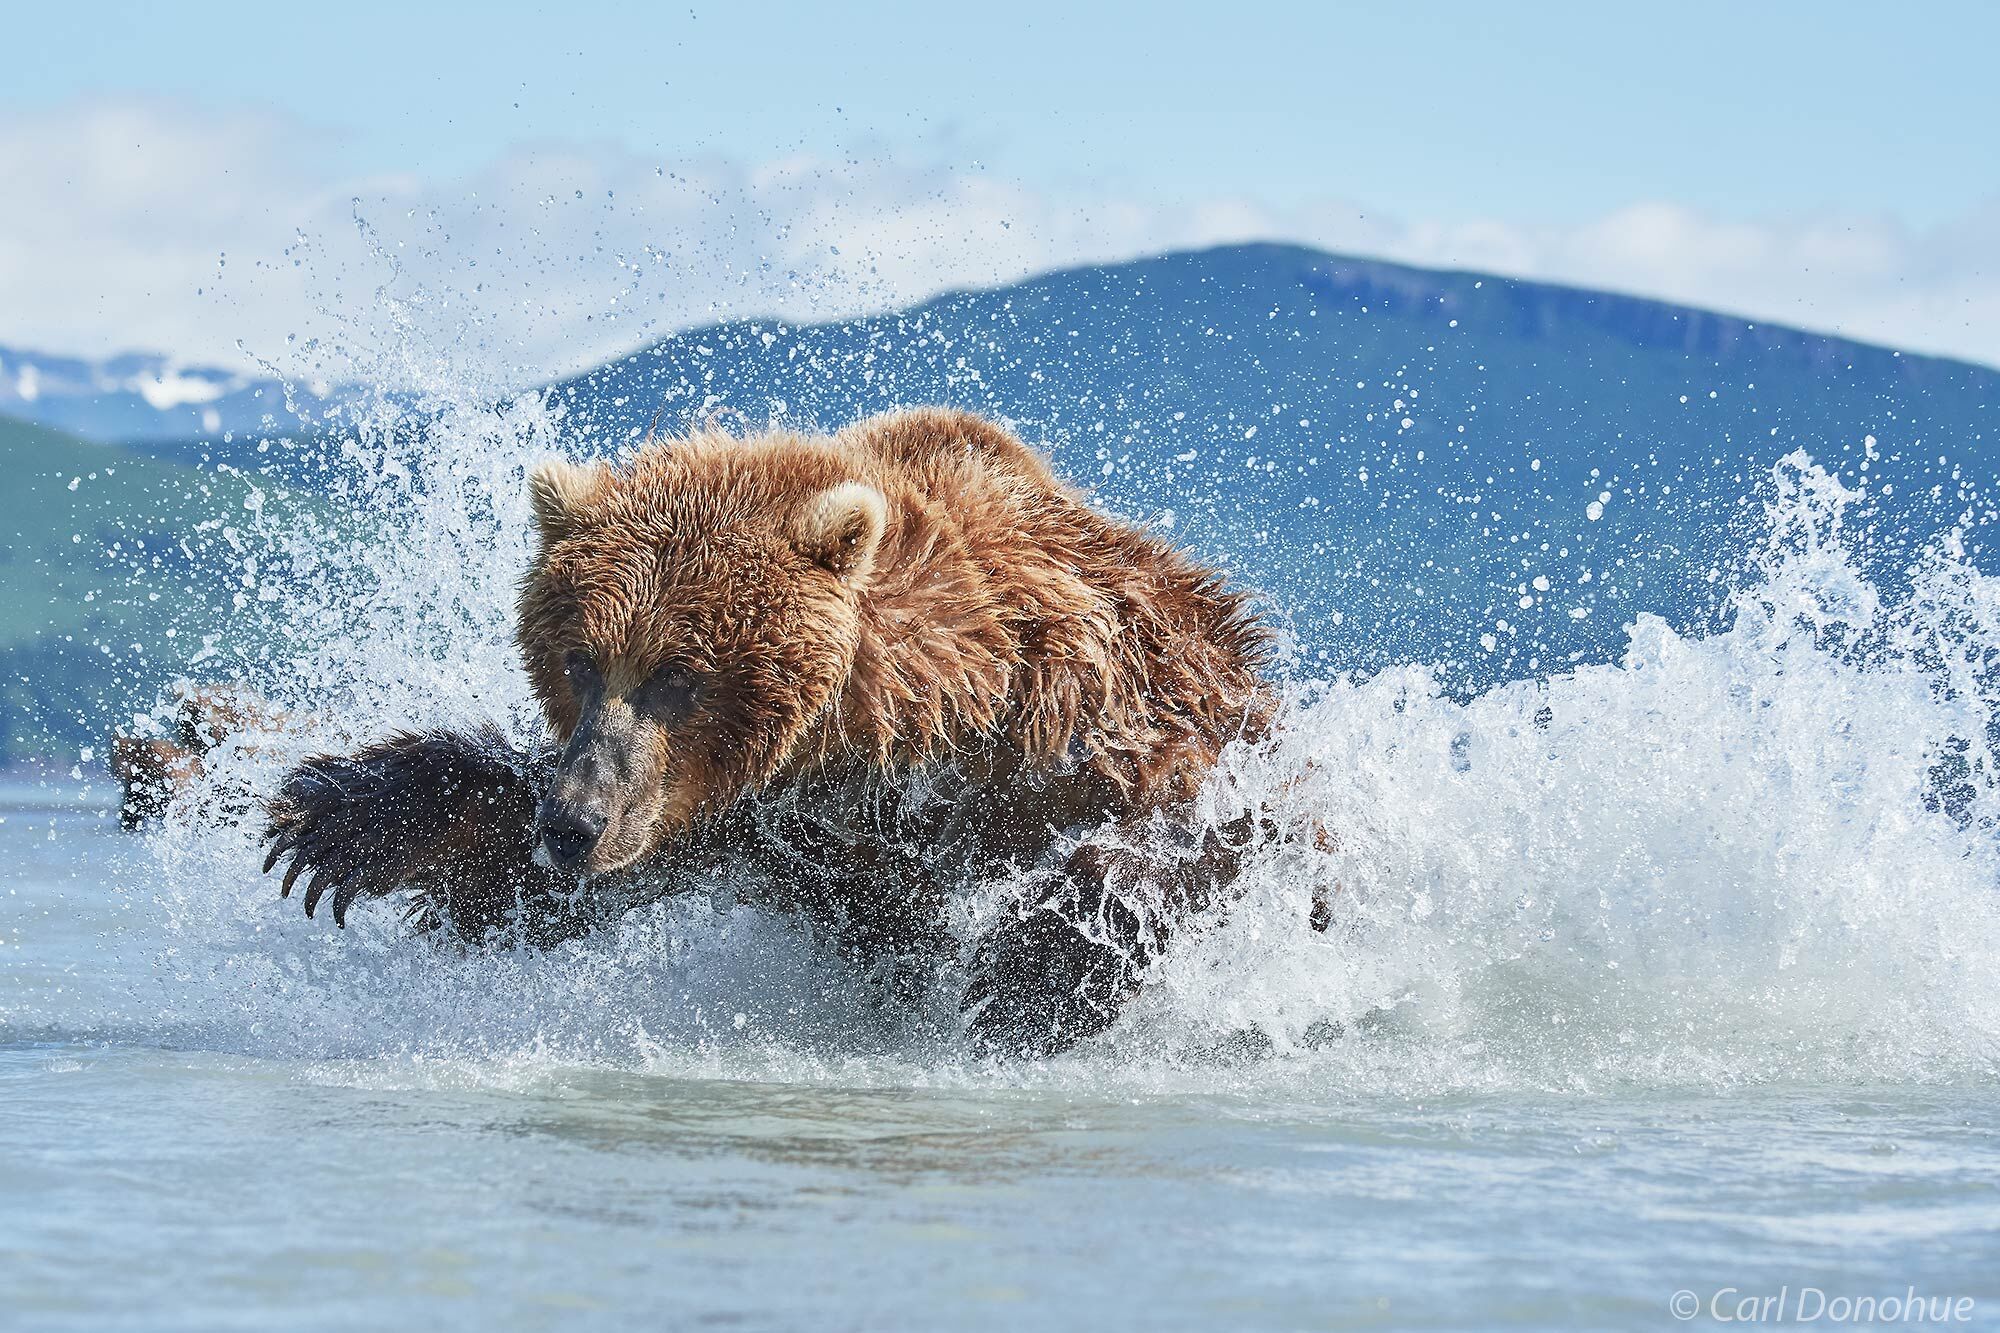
(887, 918)
(872, 901)
(449, 815)
(1058, 967)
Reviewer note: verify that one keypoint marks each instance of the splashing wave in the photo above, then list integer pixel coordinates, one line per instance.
(1764, 854)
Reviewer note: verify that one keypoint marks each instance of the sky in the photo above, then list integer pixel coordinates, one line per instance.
(536, 186)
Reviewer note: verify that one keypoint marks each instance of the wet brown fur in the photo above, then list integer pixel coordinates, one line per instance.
(918, 594)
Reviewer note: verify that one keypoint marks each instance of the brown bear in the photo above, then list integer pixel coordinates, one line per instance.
(859, 672)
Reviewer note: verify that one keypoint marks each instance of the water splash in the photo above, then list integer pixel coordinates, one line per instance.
(1763, 854)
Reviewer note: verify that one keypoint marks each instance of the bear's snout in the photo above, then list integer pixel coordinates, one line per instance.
(567, 833)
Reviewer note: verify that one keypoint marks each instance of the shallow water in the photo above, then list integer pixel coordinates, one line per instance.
(163, 1173)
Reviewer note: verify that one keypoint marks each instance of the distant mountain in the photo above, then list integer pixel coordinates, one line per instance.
(1414, 464)
(152, 400)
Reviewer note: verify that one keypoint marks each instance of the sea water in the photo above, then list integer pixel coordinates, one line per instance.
(1654, 986)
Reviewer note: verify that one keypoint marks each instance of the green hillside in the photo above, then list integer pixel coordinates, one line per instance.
(107, 563)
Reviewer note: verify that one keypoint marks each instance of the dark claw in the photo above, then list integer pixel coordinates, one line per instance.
(292, 873)
(315, 889)
(344, 897)
(282, 840)
(284, 844)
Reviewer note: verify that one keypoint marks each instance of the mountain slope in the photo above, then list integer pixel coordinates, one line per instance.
(1396, 455)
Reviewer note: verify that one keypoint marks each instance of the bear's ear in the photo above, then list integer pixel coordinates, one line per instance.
(840, 528)
(559, 493)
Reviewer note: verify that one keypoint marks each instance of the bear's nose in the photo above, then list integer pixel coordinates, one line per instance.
(568, 834)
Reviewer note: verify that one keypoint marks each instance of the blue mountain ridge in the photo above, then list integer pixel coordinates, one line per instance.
(1394, 455)
(1491, 474)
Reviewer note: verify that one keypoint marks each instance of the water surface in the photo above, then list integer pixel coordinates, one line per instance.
(157, 1174)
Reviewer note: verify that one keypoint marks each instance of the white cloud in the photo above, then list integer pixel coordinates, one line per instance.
(1936, 290)
(158, 226)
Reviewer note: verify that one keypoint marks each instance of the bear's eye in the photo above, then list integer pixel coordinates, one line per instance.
(670, 693)
(581, 668)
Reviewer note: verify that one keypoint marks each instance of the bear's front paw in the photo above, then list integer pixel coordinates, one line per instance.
(325, 833)
(1040, 985)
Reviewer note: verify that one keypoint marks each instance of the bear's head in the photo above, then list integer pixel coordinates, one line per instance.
(687, 622)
